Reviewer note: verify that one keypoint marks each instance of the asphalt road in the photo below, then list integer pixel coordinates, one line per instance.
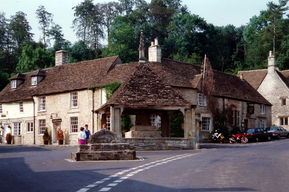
(262, 166)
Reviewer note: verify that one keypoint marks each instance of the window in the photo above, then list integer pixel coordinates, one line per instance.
(206, 123)
(236, 117)
(108, 122)
(202, 99)
(73, 100)
(283, 101)
(283, 120)
(156, 121)
(34, 80)
(42, 104)
(30, 127)
(74, 124)
(42, 125)
(1, 111)
(13, 84)
(21, 110)
(16, 128)
(263, 109)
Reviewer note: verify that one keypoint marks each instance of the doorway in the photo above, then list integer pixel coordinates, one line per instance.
(56, 126)
(6, 131)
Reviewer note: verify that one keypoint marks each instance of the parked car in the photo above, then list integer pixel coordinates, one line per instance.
(278, 132)
(257, 134)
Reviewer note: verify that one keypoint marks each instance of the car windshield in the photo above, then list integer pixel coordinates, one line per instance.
(250, 130)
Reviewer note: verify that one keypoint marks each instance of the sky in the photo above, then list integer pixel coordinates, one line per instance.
(217, 12)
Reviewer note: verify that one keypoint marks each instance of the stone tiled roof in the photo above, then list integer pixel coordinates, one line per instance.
(231, 86)
(82, 75)
(284, 75)
(144, 88)
(254, 77)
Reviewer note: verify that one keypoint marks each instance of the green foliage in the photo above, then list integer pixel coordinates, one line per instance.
(111, 88)
(4, 79)
(46, 136)
(44, 19)
(176, 125)
(126, 123)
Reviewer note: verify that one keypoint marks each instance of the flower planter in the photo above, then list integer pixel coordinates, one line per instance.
(9, 142)
(45, 142)
(60, 142)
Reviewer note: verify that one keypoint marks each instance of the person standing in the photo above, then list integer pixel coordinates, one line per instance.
(81, 136)
(87, 133)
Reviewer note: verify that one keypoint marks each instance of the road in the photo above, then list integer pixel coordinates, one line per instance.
(262, 166)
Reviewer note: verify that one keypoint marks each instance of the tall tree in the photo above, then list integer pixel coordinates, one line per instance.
(84, 13)
(56, 34)
(44, 19)
(127, 6)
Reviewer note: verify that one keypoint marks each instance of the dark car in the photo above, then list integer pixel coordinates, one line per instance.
(278, 132)
(256, 134)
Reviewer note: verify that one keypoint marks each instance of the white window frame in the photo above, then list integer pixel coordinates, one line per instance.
(13, 84)
(156, 121)
(1, 109)
(211, 122)
(30, 127)
(34, 80)
(16, 128)
(74, 100)
(73, 124)
(236, 117)
(42, 125)
(42, 103)
(21, 108)
(263, 109)
(206, 123)
(263, 125)
(202, 99)
(108, 122)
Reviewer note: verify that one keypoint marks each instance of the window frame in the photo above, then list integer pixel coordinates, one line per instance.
(30, 126)
(73, 125)
(208, 125)
(21, 107)
(1, 108)
(34, 80)
(42, 126)
(283, 101)
(16, 129)
(42, 103)
(14, 84)
(202, 100)
(263, 109)
(156, 121)
(108, 122)
(73, 100)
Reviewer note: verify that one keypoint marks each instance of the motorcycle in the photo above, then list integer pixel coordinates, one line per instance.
(217, 137)
(239, 137)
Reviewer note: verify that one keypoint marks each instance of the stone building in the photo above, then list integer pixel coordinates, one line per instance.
(273, 84)
(72, 95)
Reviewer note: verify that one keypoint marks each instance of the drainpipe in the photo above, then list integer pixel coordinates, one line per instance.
(93, 90)
(34, 121)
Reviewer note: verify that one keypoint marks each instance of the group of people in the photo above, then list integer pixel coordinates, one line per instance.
(83, 135)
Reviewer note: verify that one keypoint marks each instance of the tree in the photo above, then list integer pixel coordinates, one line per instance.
(84, 13)
(127, 6)
(56, 34)
(109, 11)
(44, 19)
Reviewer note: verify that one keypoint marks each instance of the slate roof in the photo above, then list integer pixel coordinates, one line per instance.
(144, 88)
(82, 75)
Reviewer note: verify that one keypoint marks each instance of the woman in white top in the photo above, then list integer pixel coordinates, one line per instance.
(81, 136)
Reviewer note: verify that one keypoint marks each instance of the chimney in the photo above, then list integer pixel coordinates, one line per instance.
(271, 63)
(155, 51)
(141, 48)
(61, 57)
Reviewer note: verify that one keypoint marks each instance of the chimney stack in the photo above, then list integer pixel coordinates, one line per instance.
(141, 48)
(155, 51)
(61, 57)
(271, 63)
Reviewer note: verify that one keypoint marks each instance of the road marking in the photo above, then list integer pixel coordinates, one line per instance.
(133, 171)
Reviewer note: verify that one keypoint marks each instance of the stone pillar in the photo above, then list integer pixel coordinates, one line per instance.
(117, 122)
(188, 123)
(112, 128)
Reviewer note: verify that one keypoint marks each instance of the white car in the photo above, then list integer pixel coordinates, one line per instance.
(278, 132)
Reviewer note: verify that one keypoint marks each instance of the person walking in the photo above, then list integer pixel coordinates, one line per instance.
(81, 137)
(87, 133)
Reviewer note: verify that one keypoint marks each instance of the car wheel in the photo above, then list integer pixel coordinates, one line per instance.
(269, 138)
(257, 139)
(278, 136)
(288, 136)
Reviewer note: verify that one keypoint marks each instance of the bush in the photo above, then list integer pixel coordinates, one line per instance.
(176, 125)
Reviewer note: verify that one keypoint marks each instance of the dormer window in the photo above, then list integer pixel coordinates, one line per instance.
(34, 80)
(13, 84)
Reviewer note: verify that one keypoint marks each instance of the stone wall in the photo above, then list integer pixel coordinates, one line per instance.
(149, 144)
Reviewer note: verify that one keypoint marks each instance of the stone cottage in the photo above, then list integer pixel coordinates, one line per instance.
(72, 95)
(273, 84)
